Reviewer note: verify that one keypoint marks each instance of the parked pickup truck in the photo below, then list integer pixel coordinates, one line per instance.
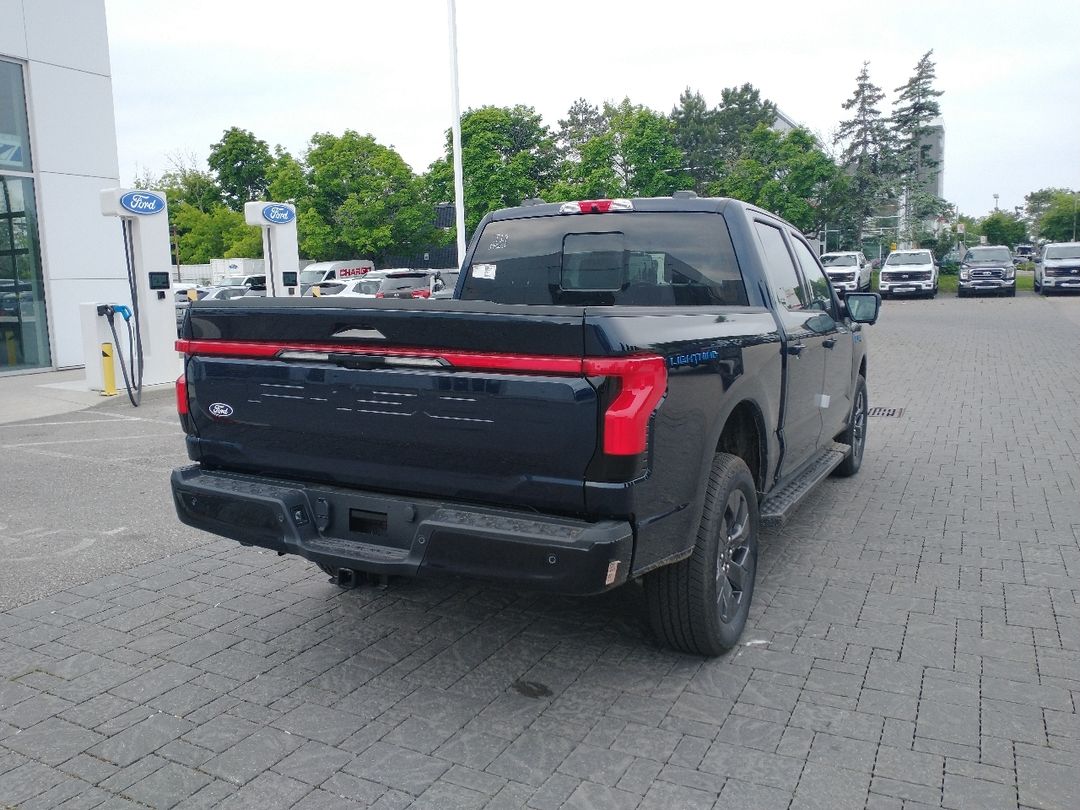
(620, 390)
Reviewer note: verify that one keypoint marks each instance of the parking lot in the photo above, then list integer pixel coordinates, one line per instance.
(914, 639)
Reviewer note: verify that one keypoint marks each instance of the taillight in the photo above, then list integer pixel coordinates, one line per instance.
(421, 293)
(380, 294)
(642, 383)
(182, 409)
(181, 395)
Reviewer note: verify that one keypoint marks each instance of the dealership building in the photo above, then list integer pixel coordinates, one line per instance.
(57, 152)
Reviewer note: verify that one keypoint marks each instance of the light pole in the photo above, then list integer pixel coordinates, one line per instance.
(459, 184)
(995, 202)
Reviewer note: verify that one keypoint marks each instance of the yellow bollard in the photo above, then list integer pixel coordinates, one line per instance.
(12, 348)
(108, 370)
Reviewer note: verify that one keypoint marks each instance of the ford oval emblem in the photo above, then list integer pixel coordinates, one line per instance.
(221, 410)
(142, 203)
(278, 214)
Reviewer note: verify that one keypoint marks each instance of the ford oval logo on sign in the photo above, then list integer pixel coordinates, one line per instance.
(278, 214)
(142, 203)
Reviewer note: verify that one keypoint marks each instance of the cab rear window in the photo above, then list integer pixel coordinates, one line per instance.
(631, 259)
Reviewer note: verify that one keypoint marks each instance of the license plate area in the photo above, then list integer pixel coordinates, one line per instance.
(366, 522)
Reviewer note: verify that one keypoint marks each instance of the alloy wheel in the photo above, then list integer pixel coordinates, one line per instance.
(734, 574)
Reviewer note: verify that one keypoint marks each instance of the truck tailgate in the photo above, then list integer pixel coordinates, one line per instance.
(438, 399)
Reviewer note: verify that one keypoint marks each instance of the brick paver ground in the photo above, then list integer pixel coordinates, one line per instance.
(914, 643)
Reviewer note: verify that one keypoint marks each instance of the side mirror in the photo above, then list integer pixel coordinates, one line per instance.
(863, 307)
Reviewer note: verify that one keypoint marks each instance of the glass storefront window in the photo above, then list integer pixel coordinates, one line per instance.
(24, 333)
(14, 133)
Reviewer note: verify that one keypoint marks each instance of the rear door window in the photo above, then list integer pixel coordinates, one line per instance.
(631, 259)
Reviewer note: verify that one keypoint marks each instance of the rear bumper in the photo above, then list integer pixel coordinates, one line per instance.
(386, 534)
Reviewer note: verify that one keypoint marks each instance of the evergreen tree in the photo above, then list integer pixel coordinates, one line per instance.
(866, 152)
(739, 113)
(914, 109)
(697, 134)
(583, 122)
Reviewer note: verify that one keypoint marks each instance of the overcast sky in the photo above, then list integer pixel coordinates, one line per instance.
(185, 72)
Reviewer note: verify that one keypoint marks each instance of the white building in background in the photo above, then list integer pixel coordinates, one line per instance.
(57, 151)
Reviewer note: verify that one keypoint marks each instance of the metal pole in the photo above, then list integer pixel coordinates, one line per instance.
(459, 183)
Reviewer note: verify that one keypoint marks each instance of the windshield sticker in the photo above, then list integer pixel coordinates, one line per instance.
(499, 241)
(484, 271)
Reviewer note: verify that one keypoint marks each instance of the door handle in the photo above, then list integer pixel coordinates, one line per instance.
(828, 343)
(796, 348)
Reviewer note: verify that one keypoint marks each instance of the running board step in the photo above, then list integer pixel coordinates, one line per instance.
(781, 503)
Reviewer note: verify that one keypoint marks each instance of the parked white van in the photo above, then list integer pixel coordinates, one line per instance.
(333, 271)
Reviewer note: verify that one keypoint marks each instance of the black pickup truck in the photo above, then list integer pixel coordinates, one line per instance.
(619, 390)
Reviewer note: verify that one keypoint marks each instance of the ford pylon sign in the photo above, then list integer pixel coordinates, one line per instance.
(278, 214)
(142, 203)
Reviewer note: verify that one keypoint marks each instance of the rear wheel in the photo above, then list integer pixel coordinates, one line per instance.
(855, 435)
(699, 605)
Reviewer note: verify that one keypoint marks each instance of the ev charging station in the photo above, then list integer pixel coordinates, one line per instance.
(280, 248)
(151, 319)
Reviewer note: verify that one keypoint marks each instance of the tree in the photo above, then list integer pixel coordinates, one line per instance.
(361, 199)
(698, 137)
(507, 156)
(1035, 205)
(739, 114)
(185, 182)
(583, 122)
(914, 109)
(1001, 228)
(1060, 221)
(220, 232)
(866, 152)
(285, 177)
(784, 173)
(241, 163)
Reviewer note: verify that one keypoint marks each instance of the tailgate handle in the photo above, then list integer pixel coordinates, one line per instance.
(357, 360)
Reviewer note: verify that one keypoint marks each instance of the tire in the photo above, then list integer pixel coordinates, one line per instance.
(699, 605)
(1035, 285)
(1011, 293)
(961, 292)
(855, 434)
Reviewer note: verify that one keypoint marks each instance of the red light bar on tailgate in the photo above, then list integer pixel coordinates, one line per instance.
(642, 379)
